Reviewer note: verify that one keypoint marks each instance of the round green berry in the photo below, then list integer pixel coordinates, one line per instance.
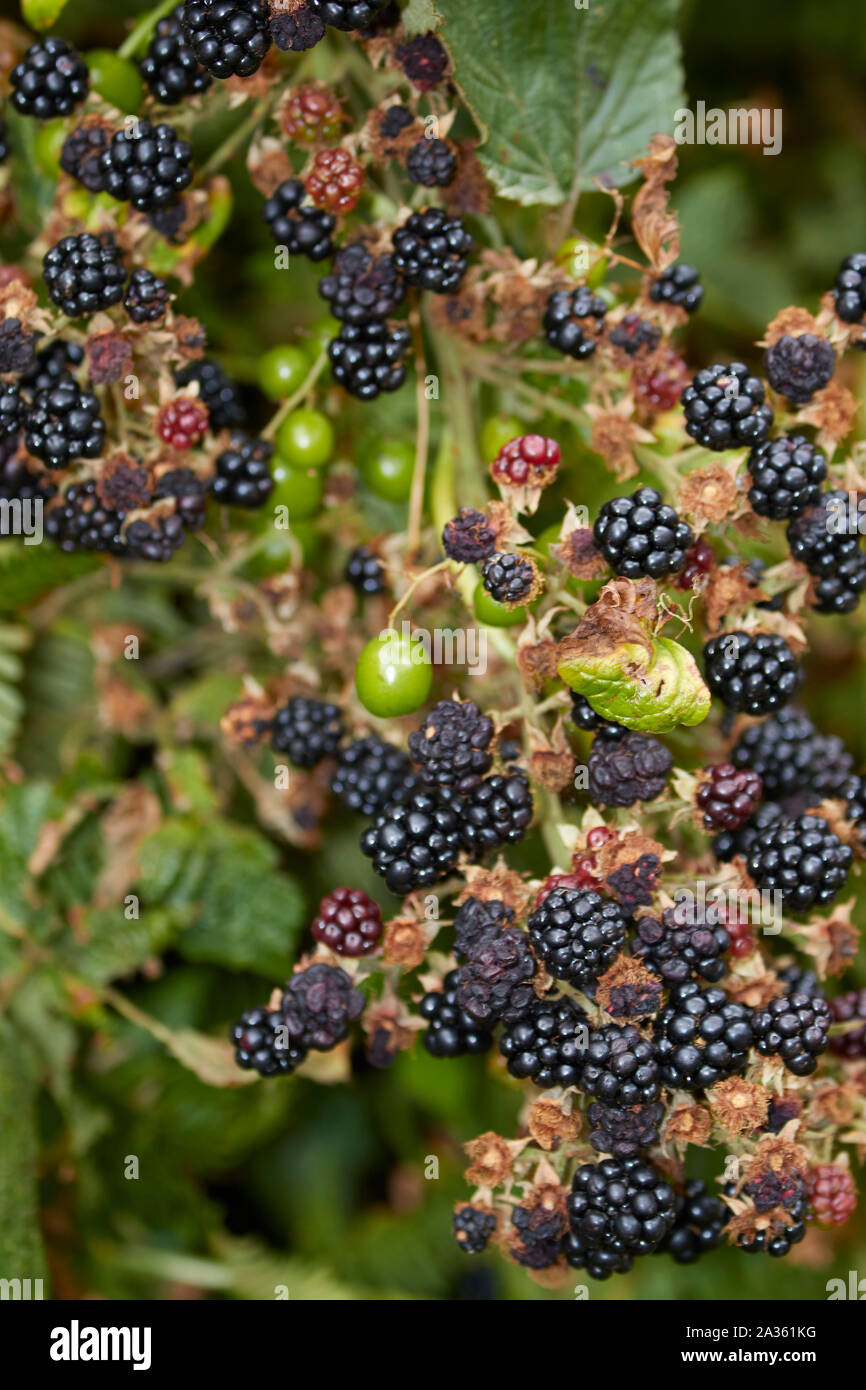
(494, 614)
(115, 79)
(305, 439)
(282, 370)
(319, 335)
(387, 466)
(278, 549)
(299, 489)
(496, 432)
(393, 675)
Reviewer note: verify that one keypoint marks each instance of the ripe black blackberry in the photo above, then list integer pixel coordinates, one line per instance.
(230, 38)
(585, 717)
(565, 321)
(546, 1045)
(12, 407)
(826, 542)
(17, 482)
(850, 1008)
(701, 1037)
(430, 250)
(262, 1043)
(218, 392)
(633, 334)
(298, 31)
(680, 285)
(81, 154)
(725, 407)
(243, 473)
(347, 14)
(468, 537)
(16, 347)
(600, 1262)
(368, 358)
(146, 165)
(190, 494)
(51, 80)
(147, 298)
(799, 981)
(849, 288)
(786, 474)
(472, 1226)
(802, 859)
(452, 745)
(641, 535)
(155, 538)
(63, 424)
(508, 577)
(728, 795)
(319, 1004)
(307, 731)
(798, 367)
(698, 1226)
(431, 164)
(413, 843)
(371, 775)
(619, 1066)
(84, 273)
(362, 287)
(365, 571)
(170, 67)
(451, 1031)
(79, 521)
(625, 767)
(733, 842)
(676, 948)
(577, 934)
(794, 1027)
(619, 1207)
(753, 673)
(776, 1235)
(394, 119)
(790, 755)
(494, 982)
(295, 223)
(496, 812)
(477, 919)
(623, 1131)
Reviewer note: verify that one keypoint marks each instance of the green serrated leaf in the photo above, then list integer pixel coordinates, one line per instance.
(420, 17)
(28, 571)
(41, 14)
(564, 96)
(21, 1253)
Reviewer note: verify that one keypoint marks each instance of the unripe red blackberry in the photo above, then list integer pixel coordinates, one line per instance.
(700, 558)
(659, 383)
(728, 796)
(423, 59)
(335, 181)
(530, 460)
(311, 114)
(349, 922)
(832, 1194)
(850, 1008)
(183, 422)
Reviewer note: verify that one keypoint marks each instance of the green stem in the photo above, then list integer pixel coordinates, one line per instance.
(138, 37)
(301, 394)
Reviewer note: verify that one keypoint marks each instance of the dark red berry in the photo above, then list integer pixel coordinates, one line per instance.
(530, 459)
(832, 1193)
(349, 922)
(700, 559)
(850, 1008)
(182, 422)
(335, 181)
(728, 796)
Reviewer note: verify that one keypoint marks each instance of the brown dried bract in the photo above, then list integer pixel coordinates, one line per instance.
(627, 990)
(469, 191)
(729, 589)
(552, 770)
(836, 1105)
(614, 436)
(248, 721)
(832, 413)
(792, 321)
(497, 884)
(550, 1125)
(189, 336)
(654, 226)
(739, 1106)
(491, 1158)
(124, 484)
(708, 494)
(537, 663)
(578, 552)
(405, 942)
(832, 941)
(689, 1124)
(626, 849)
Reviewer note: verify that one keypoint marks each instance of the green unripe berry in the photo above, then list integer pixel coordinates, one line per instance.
(305, 439)
(299, 489)
(115, 79)
(387, 466)
(488, 610)
(393, 675)
(496, 432)
(281, 370)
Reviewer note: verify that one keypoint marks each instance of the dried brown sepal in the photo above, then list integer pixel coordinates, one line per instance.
(550, 1124)
(834, 1105)
(614, 435)
(626, 848)
(405, 942)
(627, 990)
(537, 663)
(189, 337)
(831, 411)
(469, 190)
(776, 1154)
(689, 1124)
(268, 164)
(496, 884)
(730, 590)
(655, 227)
(709, 494)
(739, 1106)
(789, 322)
(109, 357)
(491, 1158)
(552, 770)
(577, 550)
(831, 942)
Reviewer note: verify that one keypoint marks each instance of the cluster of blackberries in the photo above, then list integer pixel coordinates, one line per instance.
(625, 767)
(85, 274)
(752, 673)
(641, 535)
(317, 1007)
(826, 539)
(725, 407)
